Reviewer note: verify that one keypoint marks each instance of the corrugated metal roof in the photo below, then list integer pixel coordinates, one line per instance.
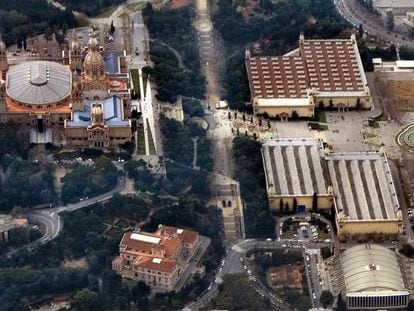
(371, 267)
(38, 82)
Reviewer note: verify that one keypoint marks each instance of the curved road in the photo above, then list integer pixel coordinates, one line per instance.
(232, 265)
(50, 218)
(377, 30)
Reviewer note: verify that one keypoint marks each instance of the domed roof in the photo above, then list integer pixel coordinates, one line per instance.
(38, 82)
(94, 59)
(94, 63)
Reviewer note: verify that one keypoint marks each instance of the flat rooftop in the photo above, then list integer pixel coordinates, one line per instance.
(363, 185)
(294, 167)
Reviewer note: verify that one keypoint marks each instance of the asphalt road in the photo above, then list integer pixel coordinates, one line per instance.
(377, 30)
(232, 265)
(52, 222)
(140, 42)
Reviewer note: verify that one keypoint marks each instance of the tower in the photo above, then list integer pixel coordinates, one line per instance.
(94, 79)
(3, 59)
(97, 114)
(75, 55)
(301, 39)
(94, 65)
(3, 109)
(76, 93)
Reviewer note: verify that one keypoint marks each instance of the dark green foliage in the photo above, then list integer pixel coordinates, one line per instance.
(193, 108)
(24, 18)
(293, 297)
(89, 181)
(140, 290)
(177, 141)
(20, 236)
(367, 54)
(238, 294)
(249, 171)
(236, 83)
(24, 184)
(174, 28)
(406, 52)
(130, 207)
(407, 250)
(326, 298)
(11, 142)
(84, 300)
(16, 283)
(326, 252)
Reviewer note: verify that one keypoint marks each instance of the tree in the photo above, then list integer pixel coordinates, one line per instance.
(48, 34)
(84, 300)
(341, 305)
(326, 252)
(16, 211)
(407, 250)
(326, 298)
(140, 290)
(315, 202)
(281, 205)
(360, 30)
(390, 20)
(112, 30)
(295, 206)
(286, 206)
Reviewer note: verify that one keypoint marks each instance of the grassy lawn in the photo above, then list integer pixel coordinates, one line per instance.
(140, 140)
(317, 126)
(320, 116)
(288, 234)
(322, 235)
(135, 80)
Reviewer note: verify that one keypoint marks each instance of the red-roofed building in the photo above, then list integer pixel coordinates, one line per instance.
(156, 258)
(326, 73)
(284, 276)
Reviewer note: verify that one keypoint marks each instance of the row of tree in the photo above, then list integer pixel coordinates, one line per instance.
(249, 172)
(173, 29)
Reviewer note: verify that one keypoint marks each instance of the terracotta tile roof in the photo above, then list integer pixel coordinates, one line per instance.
(157, 264)
(166, 245)
(284, 276)
(187, 236)
(14, 108)
(327, 65)
(332, 65)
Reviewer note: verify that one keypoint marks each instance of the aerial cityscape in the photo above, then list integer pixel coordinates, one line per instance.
(206, 155)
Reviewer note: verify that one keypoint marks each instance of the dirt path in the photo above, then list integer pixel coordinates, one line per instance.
(212, 66)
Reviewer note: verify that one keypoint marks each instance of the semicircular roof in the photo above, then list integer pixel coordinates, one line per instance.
(371, 267)
(38, 82)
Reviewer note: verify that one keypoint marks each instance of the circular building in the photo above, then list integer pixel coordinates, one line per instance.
(372, 278)
(38, 84)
